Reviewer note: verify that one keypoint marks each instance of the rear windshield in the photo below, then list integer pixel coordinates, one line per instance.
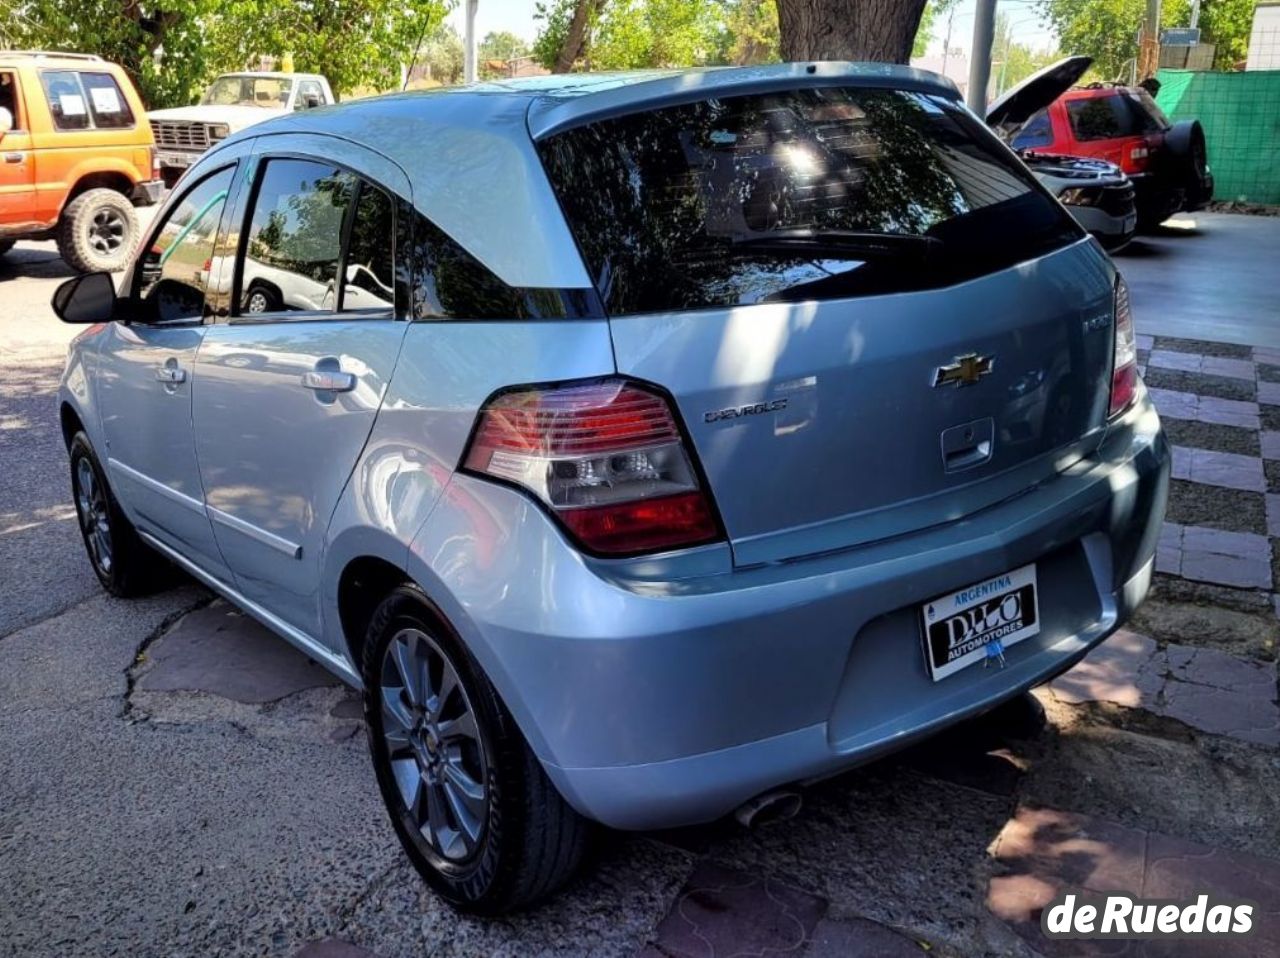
(802, 194)
(1116, 114)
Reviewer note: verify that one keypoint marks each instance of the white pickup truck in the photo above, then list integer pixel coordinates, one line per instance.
(231, 103)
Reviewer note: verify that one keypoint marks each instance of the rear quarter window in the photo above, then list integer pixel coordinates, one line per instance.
(83, 100)
(1113, 115)
(679, 208)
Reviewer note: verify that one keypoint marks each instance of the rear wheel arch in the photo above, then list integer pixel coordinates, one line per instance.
(113, 180)
(362, 585)
(71, 423)
(367, 579)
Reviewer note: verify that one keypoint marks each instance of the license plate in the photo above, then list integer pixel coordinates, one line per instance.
(978, 622)
(1130, 223)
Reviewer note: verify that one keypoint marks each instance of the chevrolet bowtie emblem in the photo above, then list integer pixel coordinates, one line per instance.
(965, 371)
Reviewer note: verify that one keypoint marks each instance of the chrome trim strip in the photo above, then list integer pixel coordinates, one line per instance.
(335, 663)
(173, 495)
(291, 549)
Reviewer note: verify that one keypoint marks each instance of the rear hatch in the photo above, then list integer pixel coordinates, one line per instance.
(871, 317)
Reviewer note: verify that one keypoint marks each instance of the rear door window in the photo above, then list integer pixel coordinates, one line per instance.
(294, 244)
(800, 194)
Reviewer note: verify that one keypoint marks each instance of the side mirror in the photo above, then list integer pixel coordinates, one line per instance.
(6, 121)
(87, 298)
(311, 101)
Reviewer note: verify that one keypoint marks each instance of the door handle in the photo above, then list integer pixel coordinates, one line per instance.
(171, 374)
(14, 157)
(329, 380)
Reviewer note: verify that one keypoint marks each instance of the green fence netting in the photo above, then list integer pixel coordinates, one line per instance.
(1240, 113)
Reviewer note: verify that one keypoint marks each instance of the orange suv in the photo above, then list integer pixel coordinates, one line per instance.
(76, 155)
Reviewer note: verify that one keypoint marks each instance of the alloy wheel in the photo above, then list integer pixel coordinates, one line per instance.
(434, 745)
(257, 302)
(95, 515)
(107, 231)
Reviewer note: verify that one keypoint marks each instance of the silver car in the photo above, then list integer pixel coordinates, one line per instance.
(691, 435)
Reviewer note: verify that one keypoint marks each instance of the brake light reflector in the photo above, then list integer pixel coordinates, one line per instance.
(1124, 368)
(606, 456)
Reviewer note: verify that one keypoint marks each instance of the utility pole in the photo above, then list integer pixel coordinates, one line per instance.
(1149, 50)
(984, 32)
(469, 43)
(946, 40)
(1195, 14)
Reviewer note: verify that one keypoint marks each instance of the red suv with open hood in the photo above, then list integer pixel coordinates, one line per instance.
(1167, 162)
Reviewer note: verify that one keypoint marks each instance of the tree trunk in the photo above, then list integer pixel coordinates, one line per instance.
(583, 13)
(879, 30)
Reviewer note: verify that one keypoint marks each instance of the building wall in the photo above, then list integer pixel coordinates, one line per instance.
(1264, 41)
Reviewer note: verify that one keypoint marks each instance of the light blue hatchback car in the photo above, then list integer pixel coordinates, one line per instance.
(639, 444)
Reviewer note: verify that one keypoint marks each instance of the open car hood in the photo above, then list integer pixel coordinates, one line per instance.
(1008, 113)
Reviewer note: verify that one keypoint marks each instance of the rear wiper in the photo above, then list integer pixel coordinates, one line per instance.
(863, 245)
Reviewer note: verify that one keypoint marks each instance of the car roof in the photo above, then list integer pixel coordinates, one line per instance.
(470, 152)
(54, 58)
(1091, 91)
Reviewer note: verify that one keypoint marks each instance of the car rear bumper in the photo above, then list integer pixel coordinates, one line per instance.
(148, 192)
(1112, 230)
(655, 700)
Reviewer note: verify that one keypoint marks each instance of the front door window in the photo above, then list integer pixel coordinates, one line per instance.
(173, 274)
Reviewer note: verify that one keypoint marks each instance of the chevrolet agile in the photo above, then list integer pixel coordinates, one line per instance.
(639, 444)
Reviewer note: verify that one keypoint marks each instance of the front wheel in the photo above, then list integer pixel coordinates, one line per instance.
(123, 563)
(97, 231)
(475, 812)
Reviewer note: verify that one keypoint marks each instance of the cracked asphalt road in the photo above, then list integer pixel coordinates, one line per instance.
(148, 822)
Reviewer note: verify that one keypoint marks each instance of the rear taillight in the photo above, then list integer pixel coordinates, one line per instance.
(1135, 154)
(1124, 369)
(606, 457)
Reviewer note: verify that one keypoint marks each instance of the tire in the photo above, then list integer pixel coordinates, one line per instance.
(97, 231)
(1189, 162)
(261, 298)
(126, 566)
(512, 839)
(6, 245)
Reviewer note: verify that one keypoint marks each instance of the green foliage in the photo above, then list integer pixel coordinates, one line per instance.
(124, 34)
(499, 47)
(1107, 30)
(654, 33)
(1227, 23)
(924, 33)
(630, 34)
(750, 33)
(1013, 62)
(442, 52)
(555, 16)
(172, 48)
(502, 45)
(355, 43)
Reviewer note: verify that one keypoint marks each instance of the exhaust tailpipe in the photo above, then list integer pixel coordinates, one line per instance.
(775, 806)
